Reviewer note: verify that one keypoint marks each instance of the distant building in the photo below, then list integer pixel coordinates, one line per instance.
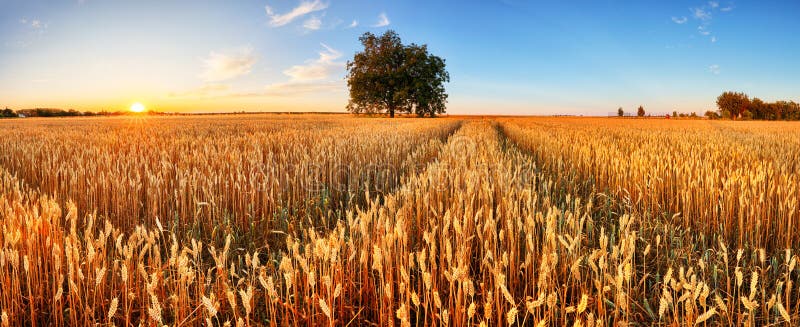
(21, 116)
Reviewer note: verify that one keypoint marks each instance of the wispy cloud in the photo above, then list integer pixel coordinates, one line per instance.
(312, 24)
(33, 24)
(316, 69)
(304, 8)
(220, 66)
(679, 20)
(314, 76)
(203, 91)
(32, 29)
(714, 69)
(353, 24)
(290, 89)
(701, 13)
(704, 14)
(383, 20)
(293, 89)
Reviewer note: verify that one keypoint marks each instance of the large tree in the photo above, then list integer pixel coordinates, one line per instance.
(390, 77)
(734, 104)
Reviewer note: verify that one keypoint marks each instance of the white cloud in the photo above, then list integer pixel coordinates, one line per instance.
(312, 24)
(714, 69)
(316, 69)
(314, 76)
(353, 24)
(704, 14)
(220, 66)
(383, 20)
(304, 8)
(680, 20)
(701, 13)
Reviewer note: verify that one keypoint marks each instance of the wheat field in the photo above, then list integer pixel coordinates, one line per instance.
(333, 220)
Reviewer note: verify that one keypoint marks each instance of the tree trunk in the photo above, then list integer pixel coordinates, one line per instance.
(391, 112)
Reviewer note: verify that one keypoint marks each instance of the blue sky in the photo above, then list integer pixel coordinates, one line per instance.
(504, 57)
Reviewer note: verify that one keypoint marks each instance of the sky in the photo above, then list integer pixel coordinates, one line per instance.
(504, 57)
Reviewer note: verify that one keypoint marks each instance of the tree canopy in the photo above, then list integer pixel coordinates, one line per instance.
(738, 105)
(6, 113)
(390, 77)
(734, 104)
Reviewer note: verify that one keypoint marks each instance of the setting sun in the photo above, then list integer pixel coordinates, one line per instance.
(137, 107)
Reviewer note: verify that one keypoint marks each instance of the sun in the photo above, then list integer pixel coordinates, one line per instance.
(137, 107)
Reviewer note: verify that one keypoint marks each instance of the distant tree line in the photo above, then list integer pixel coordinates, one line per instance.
(8, 113)
(53, 112)
(711, 114)
(639, 112)
(737, 105)
(676, 114)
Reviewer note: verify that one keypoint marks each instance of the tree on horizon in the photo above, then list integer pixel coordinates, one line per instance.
(390, 77)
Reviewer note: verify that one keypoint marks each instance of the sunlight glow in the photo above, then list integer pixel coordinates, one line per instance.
(137, 107)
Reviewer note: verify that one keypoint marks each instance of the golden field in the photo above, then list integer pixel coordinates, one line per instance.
(326, 220)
